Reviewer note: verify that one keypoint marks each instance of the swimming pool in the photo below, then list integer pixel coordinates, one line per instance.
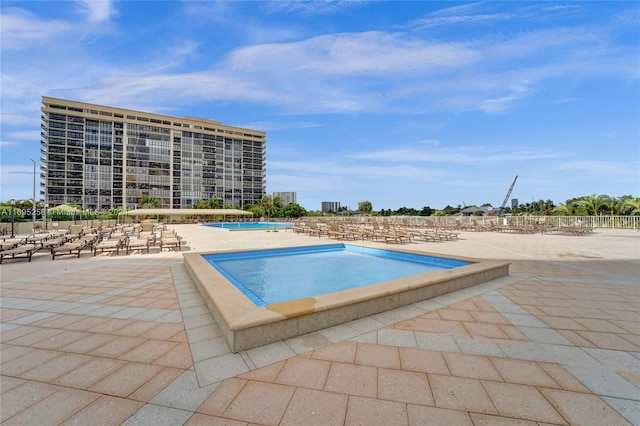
(247, 226)
(246, 325)
(274, 276)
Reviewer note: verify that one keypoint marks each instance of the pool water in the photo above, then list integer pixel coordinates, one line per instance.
(274, 276)
(250, 225)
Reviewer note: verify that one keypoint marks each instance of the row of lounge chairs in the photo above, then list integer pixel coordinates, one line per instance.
(372, 230)
(77, 239)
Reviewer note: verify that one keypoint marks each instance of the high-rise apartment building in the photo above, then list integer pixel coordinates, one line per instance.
(286, 197)
(103, 157)
(330, 206)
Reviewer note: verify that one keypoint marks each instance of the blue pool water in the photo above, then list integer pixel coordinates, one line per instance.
(273, 276)
(250, 225)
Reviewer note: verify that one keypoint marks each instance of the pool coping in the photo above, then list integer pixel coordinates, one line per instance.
(246, 326)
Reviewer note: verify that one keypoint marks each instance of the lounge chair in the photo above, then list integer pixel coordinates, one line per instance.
(54, 242)
(10, 243)
(26, 250)
(169, 239)
(112, 244)
(138, 244)
(74, 247)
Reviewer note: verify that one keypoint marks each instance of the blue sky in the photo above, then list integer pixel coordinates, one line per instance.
(403, 104)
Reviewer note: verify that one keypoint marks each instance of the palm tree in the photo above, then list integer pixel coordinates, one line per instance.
(630, 206)
(148, 202)
(595, 204)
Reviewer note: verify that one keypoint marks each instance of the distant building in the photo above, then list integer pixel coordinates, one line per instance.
(330, 206)
(102, 157)
(514, 203)
(286, 197)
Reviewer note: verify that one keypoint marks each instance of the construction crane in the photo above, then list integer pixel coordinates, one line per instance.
(504, 203)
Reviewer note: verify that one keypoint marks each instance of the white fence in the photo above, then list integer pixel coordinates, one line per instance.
(624, 222)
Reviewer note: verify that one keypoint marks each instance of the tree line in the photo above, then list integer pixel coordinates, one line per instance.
(273, 207)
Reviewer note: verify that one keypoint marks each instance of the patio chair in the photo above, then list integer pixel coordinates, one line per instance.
(111, 244)
(138, 244)
(26, 250)
(74, 247)
(170, 239)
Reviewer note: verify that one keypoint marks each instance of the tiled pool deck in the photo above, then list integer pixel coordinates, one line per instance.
(127, 340)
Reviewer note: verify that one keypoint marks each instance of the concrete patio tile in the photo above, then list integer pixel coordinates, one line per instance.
(88, 374)
(157, 415)
(314, 408)
(109, 326)
(7, 383)
(471, 366)
(478, 347)
(109, 409)
(433, 416)
(10, 352)
(56, 367)
(616, 359)
(195, 311)
(338, 333)
(55, 408)
(608, 341)
(268, 354)
(405, 338)
(117, 346)
(178, 357)
(521, 402)
(163, 332)
(305, 373)
(16, 332)
(365, 325)
(160, 381)
(148, 351)
(206, 420)
(88, 343)
(371, 337)
(307, 342)
(126, 380)
(523, 372)
(583, 408)
(216, 369)
(261, 403)
(437, 342)
(544, 335)
(454, 314)
(199, 320)
(605, 382)
(488, 420)
(377, 355)
(484, 331)
(205, 332)
(366, 411)
(21, 365)
(425, 361)
(340, 352)
(33, 318)
(460, 393)
(628, 409)
(404, 386)
(32, 337)
(22, 397)
(359, 380)
(264, 374)
(135, 328)
(183, 393)
(206, 349)
(218, 401)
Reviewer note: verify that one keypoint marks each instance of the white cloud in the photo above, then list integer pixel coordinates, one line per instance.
(96, 10)
(20, 29)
